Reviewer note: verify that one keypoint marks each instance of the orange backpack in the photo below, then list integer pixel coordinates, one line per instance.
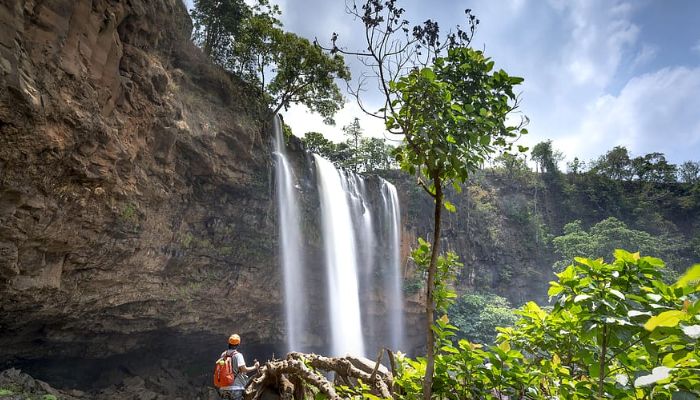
(224, 373)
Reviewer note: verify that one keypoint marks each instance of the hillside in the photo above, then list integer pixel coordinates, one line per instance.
(506, 220)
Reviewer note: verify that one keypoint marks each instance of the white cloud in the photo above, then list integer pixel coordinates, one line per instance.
(653, 112)
(644, 55)
(302, 121)
(600, 34)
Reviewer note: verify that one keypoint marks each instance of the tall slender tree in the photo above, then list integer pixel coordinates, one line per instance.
(353, 132)
(450, 109)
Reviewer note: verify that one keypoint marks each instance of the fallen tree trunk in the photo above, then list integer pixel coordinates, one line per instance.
(294, 376)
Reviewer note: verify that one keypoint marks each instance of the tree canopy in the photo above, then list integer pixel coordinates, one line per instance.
(286, 68)
(546, 157)
(477, 316)
(371, 154)
(606, 236)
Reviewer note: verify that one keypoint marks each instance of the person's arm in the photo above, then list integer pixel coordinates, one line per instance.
(243, 368)
(250, 369)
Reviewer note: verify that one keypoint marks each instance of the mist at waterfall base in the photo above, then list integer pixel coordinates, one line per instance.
(356, 304)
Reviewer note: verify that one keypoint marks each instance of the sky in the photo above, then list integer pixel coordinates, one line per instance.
(598, 73)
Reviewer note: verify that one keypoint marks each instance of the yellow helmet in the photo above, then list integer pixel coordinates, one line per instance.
(234, 339)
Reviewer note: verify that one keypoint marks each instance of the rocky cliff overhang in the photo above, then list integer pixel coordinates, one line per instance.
(135, 211)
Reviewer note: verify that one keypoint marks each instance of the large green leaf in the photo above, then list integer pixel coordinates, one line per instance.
(690, 278)
(666, 318)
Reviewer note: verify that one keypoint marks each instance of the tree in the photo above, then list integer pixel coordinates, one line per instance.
(512, 164)
(285, 68)
(449, 109)
(353, 132)
(340, 154)
(546, 157)
(615, 164)
(654, 168)
(576, 166)
(689, 172)
(215, 23)
(478, 315)
(615, 330)
(315, 142)
(453, 116)
(606, 236)
(375, 154)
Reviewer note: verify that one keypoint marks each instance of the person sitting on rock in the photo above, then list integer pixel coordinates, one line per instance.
(235, 391)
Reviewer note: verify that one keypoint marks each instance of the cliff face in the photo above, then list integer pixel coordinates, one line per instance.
(505, 223)
(135, 208)
(493, 232)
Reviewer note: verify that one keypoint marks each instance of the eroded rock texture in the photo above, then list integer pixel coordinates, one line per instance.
(135, 211)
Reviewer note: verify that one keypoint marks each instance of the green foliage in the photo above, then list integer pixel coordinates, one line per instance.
(215, 22)
(512, 166)
(478, 315)
(19, 393)
(546, 157)
(370, 155)
(447, 267)
(689, 172)
(375, 155)
(451, 110)
(315, 142)
(129, 213)
(286, 68)
(576, 166)
(366, 154)
(616, 164)
(654, 168)
(453, 115)
(615, 331)
(354, 133)
(603, 238)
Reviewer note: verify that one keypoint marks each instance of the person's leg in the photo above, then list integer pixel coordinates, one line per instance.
(237, 395)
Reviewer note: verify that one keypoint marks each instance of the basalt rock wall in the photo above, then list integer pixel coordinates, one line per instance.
(136, 220)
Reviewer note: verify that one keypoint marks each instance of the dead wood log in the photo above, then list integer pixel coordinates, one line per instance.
(286, 388)
(273, 372)
(286, 376)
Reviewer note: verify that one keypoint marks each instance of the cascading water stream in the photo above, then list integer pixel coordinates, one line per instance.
(359, 226)
(341, 260)
(291, 250)
(394, 286)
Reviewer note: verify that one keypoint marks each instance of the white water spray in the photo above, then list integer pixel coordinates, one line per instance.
(394, 283)
(291, 251)
(341, 260)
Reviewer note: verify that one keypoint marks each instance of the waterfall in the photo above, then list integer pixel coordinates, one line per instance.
(394, 283)
(359, 263)
(291, 251)
(341, 260)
